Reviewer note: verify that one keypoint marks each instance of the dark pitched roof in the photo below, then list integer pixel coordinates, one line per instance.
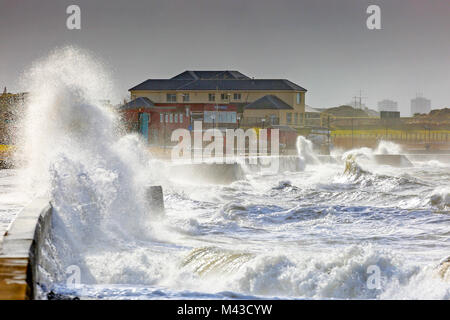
(259, 84)
(210, 75)
(160, 84)
(269, 102)
(140, 102)
(244, 85)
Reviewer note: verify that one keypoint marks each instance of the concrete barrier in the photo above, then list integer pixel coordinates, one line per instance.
(284, 163)
(215, 173)
(20, 251)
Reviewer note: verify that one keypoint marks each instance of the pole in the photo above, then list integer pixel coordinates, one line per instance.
(352, 132)
(328, 130)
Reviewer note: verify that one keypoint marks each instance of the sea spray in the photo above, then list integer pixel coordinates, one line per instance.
(305, 153)
(383, 148)
(388, 147)
(74, 151)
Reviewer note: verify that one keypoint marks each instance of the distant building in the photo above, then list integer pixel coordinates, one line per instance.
(420, 105)
(11, 106)
(312, 117)
(8, 100)
(387, 105)
(220, 99)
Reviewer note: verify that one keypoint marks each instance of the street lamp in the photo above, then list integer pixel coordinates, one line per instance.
(239, 121)
(263, 121)
(213, 117)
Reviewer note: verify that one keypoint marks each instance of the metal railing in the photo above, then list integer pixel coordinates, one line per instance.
(259, 121)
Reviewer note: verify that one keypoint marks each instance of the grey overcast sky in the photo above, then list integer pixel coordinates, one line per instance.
(322, 45)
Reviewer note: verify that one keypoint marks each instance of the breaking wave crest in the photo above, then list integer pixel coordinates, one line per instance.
(383, 148)
(305, 153)
(340, 275)
(75, 151)
(440, 198)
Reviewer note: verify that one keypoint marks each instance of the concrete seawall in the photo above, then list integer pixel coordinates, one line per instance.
(20, 251)
(221, 173)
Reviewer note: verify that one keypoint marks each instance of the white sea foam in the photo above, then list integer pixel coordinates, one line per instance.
(440, 198)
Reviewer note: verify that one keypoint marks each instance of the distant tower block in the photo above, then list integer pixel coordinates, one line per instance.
(420, 105)
(155, 199)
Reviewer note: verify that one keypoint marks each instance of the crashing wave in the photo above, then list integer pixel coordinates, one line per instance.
(305, 153)
(75, 152)
(440, 198)
(388, 147)
(353, 168)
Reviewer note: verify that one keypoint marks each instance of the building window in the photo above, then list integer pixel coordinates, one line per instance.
(186, 97)
(237, 96)
(181, 118)
(171, 118)
(219, 117)
(171, 97)
(299, 98)
(211, 97)
(296, 118)
(289, 118)
(224, 96)
(167, 118)
(161, 118)
(176, 117)
(273, 120)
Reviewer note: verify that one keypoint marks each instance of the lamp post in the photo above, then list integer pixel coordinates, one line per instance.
(263, 121)
(213, 117)
(239, 121)
(352, 131)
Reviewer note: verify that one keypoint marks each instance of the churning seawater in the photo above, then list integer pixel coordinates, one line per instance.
(310, 234)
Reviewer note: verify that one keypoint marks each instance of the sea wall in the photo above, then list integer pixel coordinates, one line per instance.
(20, 249)
(220, 173)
